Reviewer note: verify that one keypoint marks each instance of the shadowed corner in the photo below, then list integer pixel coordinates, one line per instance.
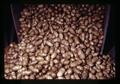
(9, 36)
(109, 39)
(112, 53)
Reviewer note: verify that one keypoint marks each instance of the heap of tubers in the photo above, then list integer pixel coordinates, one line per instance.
(59, 42)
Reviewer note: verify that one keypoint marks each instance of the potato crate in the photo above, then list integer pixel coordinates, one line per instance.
(108, 46)
(108, 41)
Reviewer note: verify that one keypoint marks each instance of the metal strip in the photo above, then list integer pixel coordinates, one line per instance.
(105, 27)
(11, 7)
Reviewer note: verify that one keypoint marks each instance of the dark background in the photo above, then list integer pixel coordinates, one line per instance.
(9, 36)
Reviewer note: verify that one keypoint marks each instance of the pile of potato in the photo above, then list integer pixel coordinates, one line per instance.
(60, 41)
